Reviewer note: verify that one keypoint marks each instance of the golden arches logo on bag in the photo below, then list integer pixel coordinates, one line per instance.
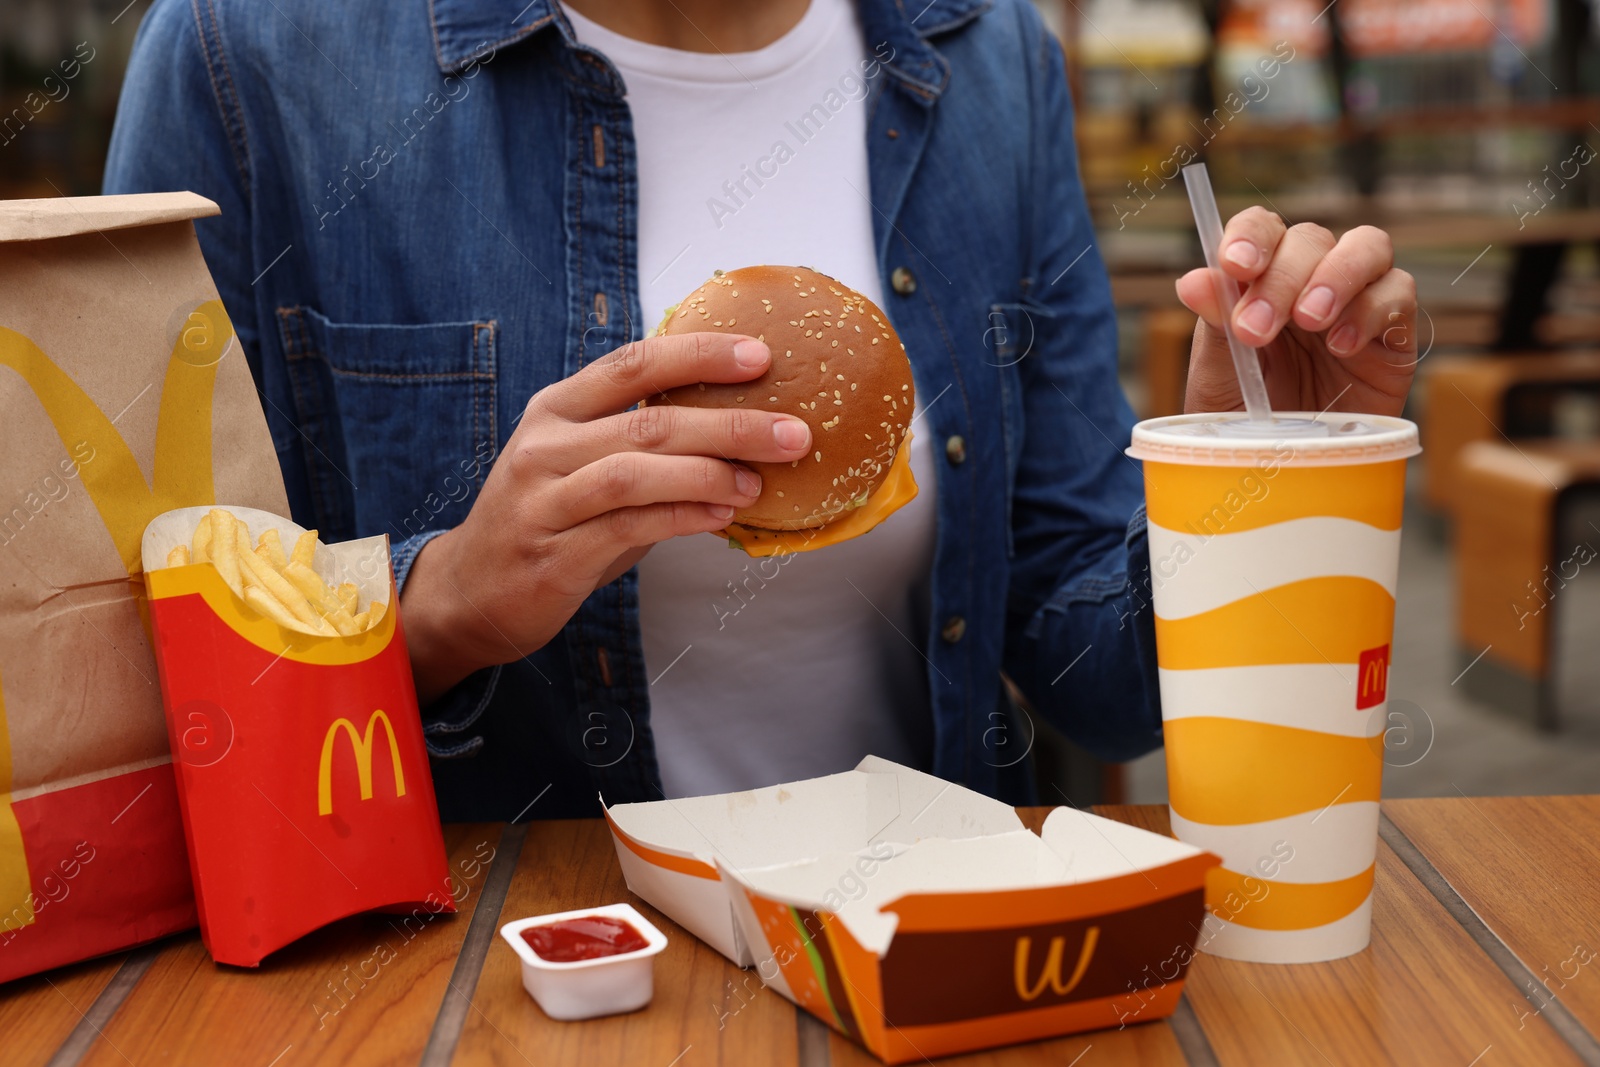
(125, 500)
(361, 750)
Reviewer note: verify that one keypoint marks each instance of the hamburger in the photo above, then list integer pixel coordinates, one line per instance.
(838, 364)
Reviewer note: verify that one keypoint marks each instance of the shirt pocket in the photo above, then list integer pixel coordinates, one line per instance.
(399, 419)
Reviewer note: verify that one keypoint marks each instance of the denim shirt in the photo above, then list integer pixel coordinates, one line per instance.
(429, 212)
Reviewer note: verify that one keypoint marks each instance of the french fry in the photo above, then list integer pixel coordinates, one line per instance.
(280, 588)
(285, 587)
(272, 545)
(305, 549)
(307, 581)
(202, 540)
(225, 549)
(263, 601)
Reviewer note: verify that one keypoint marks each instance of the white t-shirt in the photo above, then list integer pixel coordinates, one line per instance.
(762, 671)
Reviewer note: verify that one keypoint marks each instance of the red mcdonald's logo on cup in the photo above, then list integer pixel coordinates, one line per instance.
(361, 748)
(1372, 677)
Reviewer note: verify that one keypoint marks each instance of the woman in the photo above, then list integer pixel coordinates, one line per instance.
(433, 213)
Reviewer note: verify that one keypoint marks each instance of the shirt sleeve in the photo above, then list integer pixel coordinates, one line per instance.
(1080, 640)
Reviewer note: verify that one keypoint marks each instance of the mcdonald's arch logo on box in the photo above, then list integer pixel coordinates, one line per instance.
(1372, 677)
(361, 749)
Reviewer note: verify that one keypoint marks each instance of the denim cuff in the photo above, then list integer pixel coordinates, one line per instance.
(460, 707)
(402, 554)
(447, 718)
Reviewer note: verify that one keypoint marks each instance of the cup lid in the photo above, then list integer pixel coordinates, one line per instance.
(1215, 439)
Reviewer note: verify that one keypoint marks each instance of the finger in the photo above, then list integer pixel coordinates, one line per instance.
(1385, 311)
(1268, 303)
(614, 532)
(664, 428)
(644, 368)
(633, 479)
(1361, 257)
(1197, 291)
(1248, 242)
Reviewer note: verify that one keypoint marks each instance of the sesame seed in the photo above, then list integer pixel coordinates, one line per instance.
(838, 403)
(730, 322)
(835, 344)
(808, 333)
(886, 398)
(771, 398)
(717, 323)
(852, 387)
(780, 492)
(836, 394)
(738, 400)
(851, 351)
(794, 463)
(903, 388)
(736, 292)
(787, 353)
(819, 457)
(839, 376)
(874, 340)
(824, 368)
(797, 507)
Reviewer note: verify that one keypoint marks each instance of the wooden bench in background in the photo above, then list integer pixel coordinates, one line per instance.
(1510, 568)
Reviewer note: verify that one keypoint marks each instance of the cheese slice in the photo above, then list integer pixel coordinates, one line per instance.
(899, 488)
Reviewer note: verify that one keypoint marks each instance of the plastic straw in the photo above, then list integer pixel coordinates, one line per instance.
(1207, 220)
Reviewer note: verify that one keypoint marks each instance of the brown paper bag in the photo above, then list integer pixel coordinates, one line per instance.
(123, 394)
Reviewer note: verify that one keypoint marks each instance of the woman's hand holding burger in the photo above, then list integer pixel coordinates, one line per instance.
(582, 490)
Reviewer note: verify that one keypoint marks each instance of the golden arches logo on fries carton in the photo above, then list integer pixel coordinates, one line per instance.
(302, 773)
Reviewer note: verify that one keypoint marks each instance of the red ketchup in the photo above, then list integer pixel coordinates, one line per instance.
(588, 937)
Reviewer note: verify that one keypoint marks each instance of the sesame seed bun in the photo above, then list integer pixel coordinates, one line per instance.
(837, 363)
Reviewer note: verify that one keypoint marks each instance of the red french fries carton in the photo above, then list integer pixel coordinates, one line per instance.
(302, 776)
(919, 918)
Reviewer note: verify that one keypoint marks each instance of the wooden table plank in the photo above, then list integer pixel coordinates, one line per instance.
(1527, 866)
(1421, 993)
(701, 1000)
(365, 989)
(37, 1014)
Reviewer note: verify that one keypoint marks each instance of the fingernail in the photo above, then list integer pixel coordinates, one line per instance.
(721, 512)
(1242, 253)
(791, 434)
(1343, 339)
(749, 482)
(750, 354)
(1317, 303)
(1257, 318)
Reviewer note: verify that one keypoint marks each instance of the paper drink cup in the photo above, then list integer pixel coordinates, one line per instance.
(1274, 555)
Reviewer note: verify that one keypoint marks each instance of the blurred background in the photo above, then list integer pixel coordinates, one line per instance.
(1469, 129)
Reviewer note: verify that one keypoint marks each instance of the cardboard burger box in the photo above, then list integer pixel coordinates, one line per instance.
(302, 773)
(920, 918)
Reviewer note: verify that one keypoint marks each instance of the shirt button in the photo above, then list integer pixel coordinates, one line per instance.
(954, 628)
(955, 449)
(903, 281)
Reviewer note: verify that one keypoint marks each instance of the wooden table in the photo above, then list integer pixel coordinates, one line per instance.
(1486, 924)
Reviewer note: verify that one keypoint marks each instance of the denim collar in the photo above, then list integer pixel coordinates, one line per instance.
(466, 30)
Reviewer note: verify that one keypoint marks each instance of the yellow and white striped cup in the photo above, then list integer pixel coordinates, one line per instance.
(1273, 567)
